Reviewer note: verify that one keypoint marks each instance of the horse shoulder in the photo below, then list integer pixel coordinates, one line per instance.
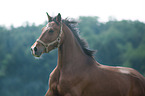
(72, 82)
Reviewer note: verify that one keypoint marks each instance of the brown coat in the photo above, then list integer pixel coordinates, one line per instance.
(78, 74)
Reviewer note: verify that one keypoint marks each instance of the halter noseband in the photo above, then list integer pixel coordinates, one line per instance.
(58, 39)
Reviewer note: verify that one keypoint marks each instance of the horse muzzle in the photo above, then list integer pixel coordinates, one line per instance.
(36, 51)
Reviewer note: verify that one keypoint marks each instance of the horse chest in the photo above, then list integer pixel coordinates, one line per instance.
(64, 86)
(68, 85)
(59, 84)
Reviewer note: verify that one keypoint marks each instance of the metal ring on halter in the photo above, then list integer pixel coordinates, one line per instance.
(58, 39)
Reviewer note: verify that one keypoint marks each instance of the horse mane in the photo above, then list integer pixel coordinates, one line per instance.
(72, 24)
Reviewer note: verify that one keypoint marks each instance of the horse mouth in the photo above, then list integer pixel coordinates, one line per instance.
(36, 54)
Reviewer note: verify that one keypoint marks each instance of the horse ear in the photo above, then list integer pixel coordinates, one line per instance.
(49, 17)
(58, 18)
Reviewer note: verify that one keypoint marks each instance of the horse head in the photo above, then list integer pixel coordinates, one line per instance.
(50, 38)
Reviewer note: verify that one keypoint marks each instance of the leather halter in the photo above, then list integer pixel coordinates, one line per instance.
(58, 39)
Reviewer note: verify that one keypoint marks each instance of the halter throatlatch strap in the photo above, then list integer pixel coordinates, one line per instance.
(58, 39)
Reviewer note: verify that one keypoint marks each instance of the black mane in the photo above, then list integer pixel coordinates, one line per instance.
(73, 27)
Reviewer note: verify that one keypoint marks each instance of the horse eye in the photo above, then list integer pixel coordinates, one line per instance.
(51, 31)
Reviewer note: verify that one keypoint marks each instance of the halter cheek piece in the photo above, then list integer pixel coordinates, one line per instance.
(58, 39)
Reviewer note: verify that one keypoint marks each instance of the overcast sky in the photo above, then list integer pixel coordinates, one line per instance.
(17, 12)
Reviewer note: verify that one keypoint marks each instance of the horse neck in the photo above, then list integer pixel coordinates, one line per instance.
(70, 54)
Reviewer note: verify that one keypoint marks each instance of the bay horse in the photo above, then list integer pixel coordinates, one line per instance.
(77, 72)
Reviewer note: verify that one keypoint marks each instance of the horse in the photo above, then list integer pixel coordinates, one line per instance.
(77, 72)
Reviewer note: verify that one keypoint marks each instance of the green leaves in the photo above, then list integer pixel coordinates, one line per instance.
(118, 43)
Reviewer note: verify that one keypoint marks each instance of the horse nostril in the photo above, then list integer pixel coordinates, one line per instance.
(31, 49)
(35, 49)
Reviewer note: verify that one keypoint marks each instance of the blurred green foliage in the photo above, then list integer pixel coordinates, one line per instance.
(118, 43)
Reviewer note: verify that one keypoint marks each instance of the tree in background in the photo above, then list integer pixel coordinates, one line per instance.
(118, 43)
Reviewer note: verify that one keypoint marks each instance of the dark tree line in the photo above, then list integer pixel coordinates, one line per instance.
(118, 43)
